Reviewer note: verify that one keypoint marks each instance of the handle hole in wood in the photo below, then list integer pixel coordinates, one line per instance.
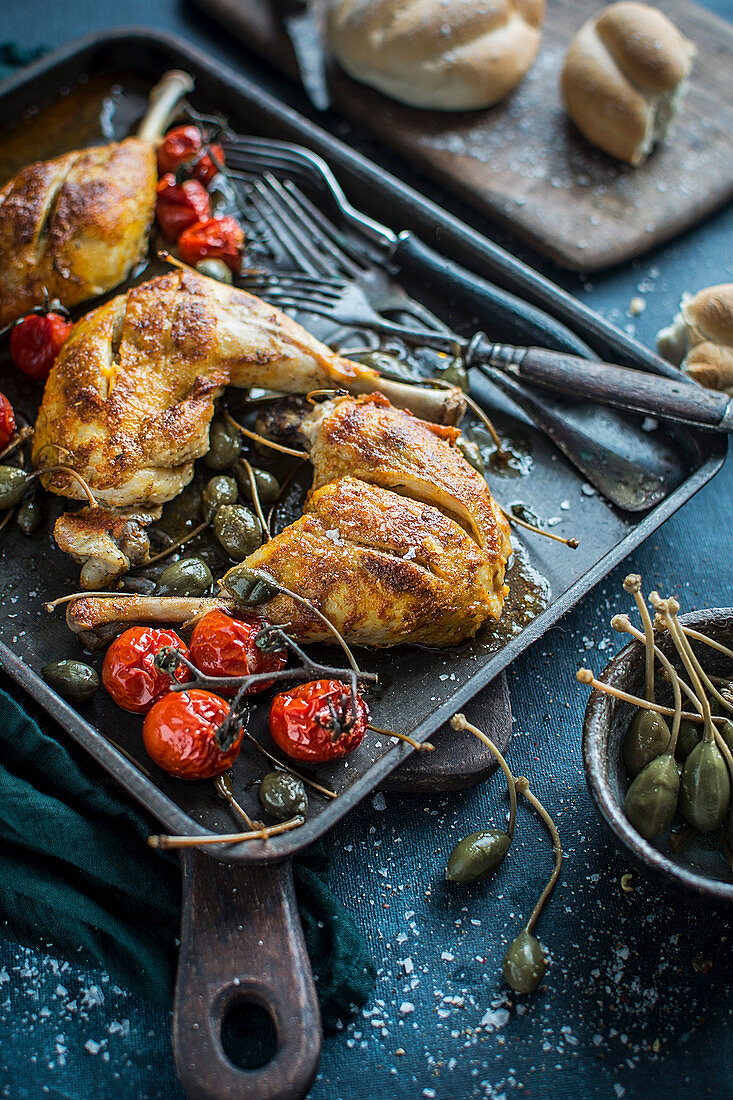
(248, 1035)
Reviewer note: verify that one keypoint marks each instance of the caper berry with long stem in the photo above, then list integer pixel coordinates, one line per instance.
(524, 963)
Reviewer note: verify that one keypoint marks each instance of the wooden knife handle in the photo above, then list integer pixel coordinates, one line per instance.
(608, 384)
(242, 942)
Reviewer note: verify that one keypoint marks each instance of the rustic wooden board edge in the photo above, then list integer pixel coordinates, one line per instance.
(366, 106)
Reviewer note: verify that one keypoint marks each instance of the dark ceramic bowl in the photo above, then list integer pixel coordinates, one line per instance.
(699, 872)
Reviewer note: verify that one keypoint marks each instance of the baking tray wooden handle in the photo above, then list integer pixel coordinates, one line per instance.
(242, 943)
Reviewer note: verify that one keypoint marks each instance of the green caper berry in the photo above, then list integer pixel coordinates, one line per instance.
(268, 487)
(183, 512)
(237, 531)
(646, 738)
(215, 269)
(225, 443)
(690, 734)
(188, 577)
(524, 963)
(13, 484)
(477, 855)
(242, 583)
(283, 796)
(456, 374)
(72, 679)
(705, 788)
(472, 454)
(29, 517)
(651, 800)
(219, 490)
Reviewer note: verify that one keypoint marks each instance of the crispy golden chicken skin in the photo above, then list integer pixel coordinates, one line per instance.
(131, 395)
(384, 569)
(371, 440)
(75, 226)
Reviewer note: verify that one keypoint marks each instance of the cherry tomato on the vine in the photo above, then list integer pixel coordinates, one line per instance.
(315, 721)
(215, 238)
(180, 205)
(180, 735)
(36, 341)
(222, 646)
(185, 145)
(129, 673)
(7, 422)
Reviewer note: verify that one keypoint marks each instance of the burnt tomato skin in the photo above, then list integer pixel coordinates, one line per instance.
(179, 732)
(313, 721)
(129, 673)
(222, 646)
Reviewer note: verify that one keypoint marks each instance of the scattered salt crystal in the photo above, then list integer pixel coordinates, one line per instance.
(448, 957)
(379, 802)
(406, 1008)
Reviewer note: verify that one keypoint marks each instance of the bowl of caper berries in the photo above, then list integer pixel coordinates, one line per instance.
(658, 746)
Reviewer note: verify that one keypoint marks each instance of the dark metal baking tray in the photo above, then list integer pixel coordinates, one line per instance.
(419, 689)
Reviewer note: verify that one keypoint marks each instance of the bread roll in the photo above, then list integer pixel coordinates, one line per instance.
(449, 55)
(622, 77)
(700, 339)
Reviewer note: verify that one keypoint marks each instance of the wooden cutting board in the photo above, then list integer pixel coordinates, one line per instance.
(523, 163)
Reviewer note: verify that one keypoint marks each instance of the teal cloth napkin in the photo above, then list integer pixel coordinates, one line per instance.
(79, 879)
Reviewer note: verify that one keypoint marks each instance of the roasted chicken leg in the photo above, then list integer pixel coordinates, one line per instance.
(129, 400)
(384, 568)
(74, 227)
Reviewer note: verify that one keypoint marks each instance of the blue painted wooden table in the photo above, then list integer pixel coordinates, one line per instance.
(637, 997)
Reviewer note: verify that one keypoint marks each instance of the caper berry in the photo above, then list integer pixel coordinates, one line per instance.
(225, 443)
(690, 734)
(242, 583)
(30, 515)
(524, 963)
(13, 484)
(477, 855)
(219, 490)
(237, 531)
(72, 679)
(183, 512)
(456, 374)
(214, 269)
(651, 800)
(188, 577)
(268, 487)
(646, 738)
(705, 787)
(472, 453)
(283, 796)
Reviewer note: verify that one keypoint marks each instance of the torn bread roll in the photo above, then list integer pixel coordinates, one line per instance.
(622, 78)
(448, 55)
(700, 339)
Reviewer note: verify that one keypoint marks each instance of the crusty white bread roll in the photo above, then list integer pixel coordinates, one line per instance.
(700, 339)
(449, 55)
(622, 78)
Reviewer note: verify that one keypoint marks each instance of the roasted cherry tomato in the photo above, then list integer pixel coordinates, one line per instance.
(129, 673)
(315, 721)
(220, 238)
(7, 422)
(222, 646)
(180, 205)
(36, 341)
(185, 145)
(180, 735)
